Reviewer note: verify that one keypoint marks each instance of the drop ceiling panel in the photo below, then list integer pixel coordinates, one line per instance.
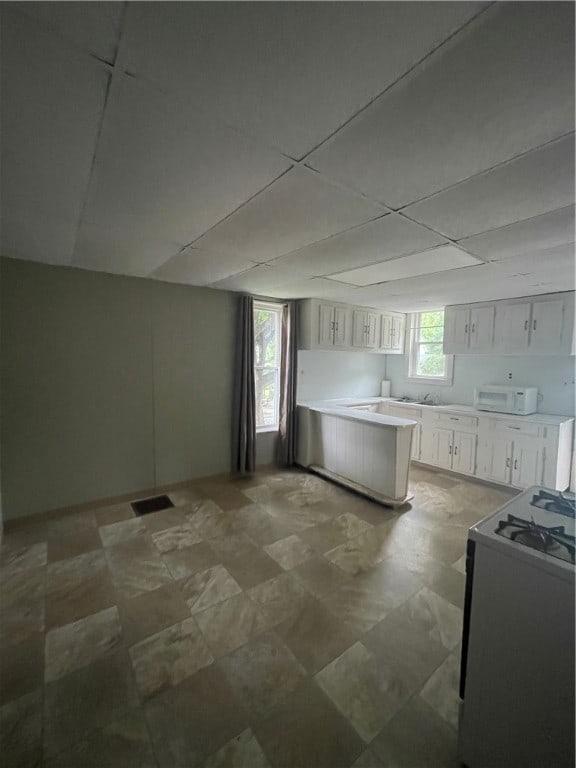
(51, 101)
(534, 184)
(278, 282)
(290, 73)
(121, 252)
(439, 259)
(546, 231)
(93, 26)
(194, 266)
(503, 86)
(168, 170)
(386, 238)
(298, 209)
(28, 233)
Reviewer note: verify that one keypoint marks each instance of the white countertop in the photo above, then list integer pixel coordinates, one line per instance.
(343, 404)
(344, 409)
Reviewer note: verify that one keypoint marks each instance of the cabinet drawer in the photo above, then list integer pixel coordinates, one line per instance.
(517, 427)
(455, 420)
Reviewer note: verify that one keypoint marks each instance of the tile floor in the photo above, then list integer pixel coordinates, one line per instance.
(276, 621)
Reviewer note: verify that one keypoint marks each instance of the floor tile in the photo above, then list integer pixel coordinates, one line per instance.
(441, 690)
(306, 730)
(230, 624)
(185, 496)
(74, 544)
(78, 587)
(19, 586)
(121, 531)
(351, 525)
(210, 521)
(430, 614)
(207, 588)
(165, 518)
(21, 667)
(177, 538)
(191, 560)
(231, 545)
(261, 527)
(152, 611)
(417, 736)
(21, 731)
(315, 636)
(170, 656)
(136, 567)
(23, 559)
(361, 552)
(242, 750)
(114, 514)
(194, 719)
(262, 672)
(369, 760)
(289, 552)
(319, 576)
(366, 691)
(323, 537)
(87, 699)
(280, 597)
(253, 568)
(21, 621)
(124, 743)
(78, 644)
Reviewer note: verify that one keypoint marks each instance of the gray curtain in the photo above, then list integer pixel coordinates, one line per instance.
(288, 376)
(244, 413)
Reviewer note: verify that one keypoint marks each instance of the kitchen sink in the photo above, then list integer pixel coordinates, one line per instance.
(413, 401)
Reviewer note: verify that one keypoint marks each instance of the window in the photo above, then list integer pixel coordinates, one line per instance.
(426, 361)
(267, 340)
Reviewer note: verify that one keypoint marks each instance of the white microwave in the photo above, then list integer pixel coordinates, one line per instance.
(502, 398)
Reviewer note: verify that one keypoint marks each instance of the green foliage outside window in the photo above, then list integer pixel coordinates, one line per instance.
(428, 338)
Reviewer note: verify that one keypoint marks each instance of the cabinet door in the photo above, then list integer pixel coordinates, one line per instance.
(442, 447)
(398, 332)
(371, 341)
(464, 453)
(456, 333)
(527, 463)
(326, 325)
(415, 449)
(386, 332)
(359, 328)
(342, 334)
(546, 326)
(481, 329)
(495, 460)
(511, 327)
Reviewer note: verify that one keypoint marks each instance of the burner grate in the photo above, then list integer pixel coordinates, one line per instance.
(554, 502)
(553, 541)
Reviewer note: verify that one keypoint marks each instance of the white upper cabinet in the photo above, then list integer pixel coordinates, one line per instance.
(537, 325)
(324, 325)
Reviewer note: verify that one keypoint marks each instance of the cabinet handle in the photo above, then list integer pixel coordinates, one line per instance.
(455, 450)
(336, 326)
(511, 427)
(454, 418)
(534, 325)
(450, 450)
(473, 327)
(515, 463)
(508, 462)
(525, 325)
(332, 325)
(466, 328)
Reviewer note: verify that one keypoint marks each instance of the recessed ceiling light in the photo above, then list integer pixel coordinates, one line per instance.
(427, 262)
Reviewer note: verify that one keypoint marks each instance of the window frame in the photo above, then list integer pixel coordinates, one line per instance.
(412, 356)
(277, 308)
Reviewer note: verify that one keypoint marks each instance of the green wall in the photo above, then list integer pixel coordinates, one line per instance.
(109, 385)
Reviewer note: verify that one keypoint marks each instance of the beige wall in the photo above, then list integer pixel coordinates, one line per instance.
(109, 385)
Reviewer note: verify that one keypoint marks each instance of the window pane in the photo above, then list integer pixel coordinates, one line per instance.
(430, 360)
(432, 333)
(266, 381)
(265, 337)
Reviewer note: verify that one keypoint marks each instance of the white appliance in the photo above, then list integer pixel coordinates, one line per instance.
(502, 398)
(517, 665)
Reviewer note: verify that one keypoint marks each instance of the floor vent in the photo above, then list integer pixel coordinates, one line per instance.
(155, 504)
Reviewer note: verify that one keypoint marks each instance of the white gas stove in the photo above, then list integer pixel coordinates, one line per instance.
(517, 670)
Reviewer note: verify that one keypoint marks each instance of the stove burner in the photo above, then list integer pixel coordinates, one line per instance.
(554, 502)
(553, 541)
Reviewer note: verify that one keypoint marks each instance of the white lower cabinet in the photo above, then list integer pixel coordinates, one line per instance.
(449, 449)
(495, 460)
(517, 462)
(527, 463)
(464, 453)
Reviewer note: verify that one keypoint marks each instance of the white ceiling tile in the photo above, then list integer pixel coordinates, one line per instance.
(28, 233)
(197, 267)
(279, 282)
(534, 184)
(166, 169)
(93, 26)
(546, 231)
(121, 252)
(51, 101)
(298, 209)
(385, 238)
(290, 73)
(440, 259)
(501, 87)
